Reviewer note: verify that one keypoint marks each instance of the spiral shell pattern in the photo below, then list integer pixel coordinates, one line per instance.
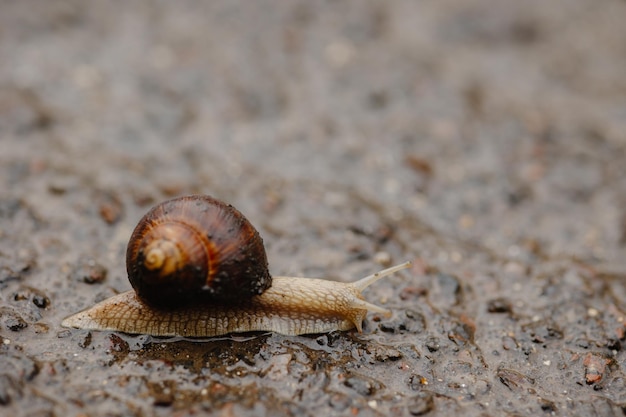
(196, 249)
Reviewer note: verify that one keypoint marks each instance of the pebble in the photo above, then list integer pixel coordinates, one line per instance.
(12, 320)
(111, 208)
(499, 305)
(595, 367)
(89, 272)
(432, 344)
(514, 380)
(417, 382)
(38, 297)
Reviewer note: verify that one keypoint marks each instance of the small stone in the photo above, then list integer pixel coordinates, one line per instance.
(64, 334)
(12, 320)
(595, 367)
(499, 305)
(90, 272)
(111, 208)
(36, 296)
(462, 332)
(547, 405)
(417, 382)
(86, 341)
(432, 344)
(41, 328)
(509, 343)
(514, 380)
(41, 301)
(614, 344)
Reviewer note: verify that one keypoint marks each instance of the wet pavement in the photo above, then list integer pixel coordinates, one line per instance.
(484, 141)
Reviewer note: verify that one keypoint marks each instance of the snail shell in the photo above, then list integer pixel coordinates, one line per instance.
(198, 269)
(196, 249)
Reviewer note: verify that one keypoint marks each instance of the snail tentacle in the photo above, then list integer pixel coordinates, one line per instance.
(365, 282)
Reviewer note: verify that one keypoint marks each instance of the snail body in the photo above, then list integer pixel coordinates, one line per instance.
(188, 241)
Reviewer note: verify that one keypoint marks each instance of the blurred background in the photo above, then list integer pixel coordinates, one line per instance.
(484, 140)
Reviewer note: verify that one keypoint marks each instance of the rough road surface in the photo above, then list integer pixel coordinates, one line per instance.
(483, 140)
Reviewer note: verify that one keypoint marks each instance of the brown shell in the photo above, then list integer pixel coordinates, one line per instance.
(209, 253)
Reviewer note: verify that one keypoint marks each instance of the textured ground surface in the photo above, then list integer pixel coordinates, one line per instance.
(484, 140)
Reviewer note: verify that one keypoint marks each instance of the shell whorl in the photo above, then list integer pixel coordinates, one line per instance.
(163, 256)
(196, 249)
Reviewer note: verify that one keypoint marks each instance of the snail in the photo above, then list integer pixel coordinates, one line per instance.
(198, 268)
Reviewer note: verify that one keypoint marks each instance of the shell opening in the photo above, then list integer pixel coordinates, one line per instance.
(162, 255)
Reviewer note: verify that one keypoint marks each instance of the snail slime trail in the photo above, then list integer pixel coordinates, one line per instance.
(192, 260)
